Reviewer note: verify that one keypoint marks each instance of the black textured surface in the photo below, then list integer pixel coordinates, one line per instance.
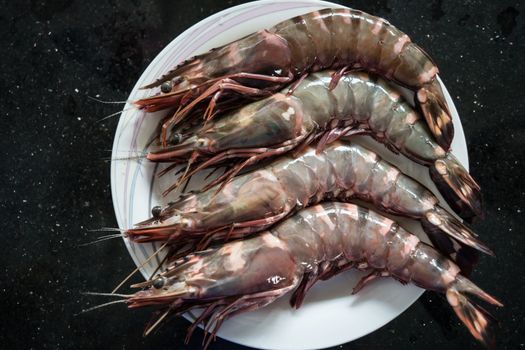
(55, 185)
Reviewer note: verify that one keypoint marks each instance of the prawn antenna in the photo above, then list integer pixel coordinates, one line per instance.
(114, 114)
(143, 153)
(137, 157)
(139, 154)
(107, 229)
(101, 306)
(107, 102)
(157, 269)
(102, 239)
(108, 294)
(138, 268)
(157, 322)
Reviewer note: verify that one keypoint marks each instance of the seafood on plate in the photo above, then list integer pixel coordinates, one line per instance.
(314, 244)
(254, 201)
(267, 60)
(360, 103)
(247, 239)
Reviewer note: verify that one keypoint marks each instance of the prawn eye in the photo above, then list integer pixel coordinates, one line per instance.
(175, 138)
(156, 210)
(159, 282)
(166, 87)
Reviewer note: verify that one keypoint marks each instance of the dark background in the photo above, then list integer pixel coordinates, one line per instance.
(55, 184)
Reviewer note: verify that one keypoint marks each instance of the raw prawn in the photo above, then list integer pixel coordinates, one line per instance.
(318, 110)
(253, 201)
(265, 61)
(315, 244)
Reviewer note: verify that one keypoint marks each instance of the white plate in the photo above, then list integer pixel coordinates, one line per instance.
(330, 315)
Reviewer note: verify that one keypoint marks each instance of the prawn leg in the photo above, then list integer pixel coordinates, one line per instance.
(367, 279)
(307, 282)
(215, 91)
(336, 76)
